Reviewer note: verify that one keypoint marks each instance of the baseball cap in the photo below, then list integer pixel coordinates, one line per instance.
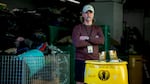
(87, 8)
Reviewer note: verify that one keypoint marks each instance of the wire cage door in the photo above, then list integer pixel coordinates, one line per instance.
(49, 69)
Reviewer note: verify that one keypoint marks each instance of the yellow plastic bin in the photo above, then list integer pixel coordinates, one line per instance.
(97, 72)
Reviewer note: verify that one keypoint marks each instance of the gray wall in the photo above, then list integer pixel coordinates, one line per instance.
(111, 14)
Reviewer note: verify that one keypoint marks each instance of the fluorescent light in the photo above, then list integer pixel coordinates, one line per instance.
(77, 2)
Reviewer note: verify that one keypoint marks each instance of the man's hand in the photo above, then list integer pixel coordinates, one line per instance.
(84, 37)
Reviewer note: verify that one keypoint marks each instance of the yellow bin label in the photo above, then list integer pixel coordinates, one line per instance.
(105, 72)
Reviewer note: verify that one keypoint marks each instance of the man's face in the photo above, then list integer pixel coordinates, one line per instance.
(88, 16)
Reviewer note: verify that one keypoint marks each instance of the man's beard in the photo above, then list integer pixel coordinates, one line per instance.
(88, 18)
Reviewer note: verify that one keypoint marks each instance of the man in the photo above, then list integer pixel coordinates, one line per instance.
(86, 38)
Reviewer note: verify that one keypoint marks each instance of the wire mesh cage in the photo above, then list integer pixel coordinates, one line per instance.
(49, 69)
